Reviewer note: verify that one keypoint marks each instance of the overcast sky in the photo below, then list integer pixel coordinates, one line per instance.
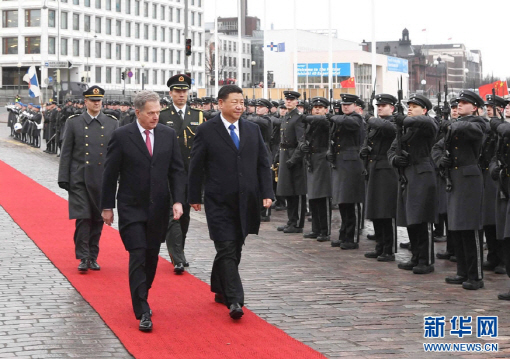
(478, 25)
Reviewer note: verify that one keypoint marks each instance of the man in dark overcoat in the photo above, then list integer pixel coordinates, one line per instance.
(229, 159)
(80, 173)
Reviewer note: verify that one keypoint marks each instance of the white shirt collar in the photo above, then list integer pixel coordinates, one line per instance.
(183, 109)
(141, 129)
(91, 115)
(227, 124)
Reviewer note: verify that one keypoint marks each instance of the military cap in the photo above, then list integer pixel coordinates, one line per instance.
(179, 82)
(94, 93)
(207, 99)
(496, 100)
(385, 98)
(125, 103)
(264, 102)
(471, 97)
(281, 104)
(81, 102)
(320, 101)
(454, 102)
(347, 99)
(251, 102)
(420, 100)
(337, 104)
(301, 103)
(291, 95)
(275, 103)
(360, 103)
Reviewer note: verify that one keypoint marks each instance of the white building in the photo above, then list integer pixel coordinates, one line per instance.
(102, 39)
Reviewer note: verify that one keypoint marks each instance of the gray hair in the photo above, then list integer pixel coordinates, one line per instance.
(143, 97)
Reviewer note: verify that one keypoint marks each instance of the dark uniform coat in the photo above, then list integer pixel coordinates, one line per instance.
(381, 200)
(465, 199)
(417, 201)
(502, 210)
(185, 129)
(291, 181)
(348, 179)
(82, 162)
(235, 180)
(37, 118)
(127, 117)
(490, 187)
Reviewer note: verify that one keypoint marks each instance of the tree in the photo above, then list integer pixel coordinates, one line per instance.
(209, 61)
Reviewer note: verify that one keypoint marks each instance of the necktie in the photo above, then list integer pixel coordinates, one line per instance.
(148, 141)
(180, 114)
(234, 136)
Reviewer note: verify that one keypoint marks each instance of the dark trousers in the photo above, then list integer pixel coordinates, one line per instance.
(348, 226)
(86, 238)
(296, 210)
(383, 231)
(494, 247)
(176, 235)
(469, 253)
(450, 246)
(505, 248)
(321, 215)
(422, 243)
(225, 277)
(440, 225)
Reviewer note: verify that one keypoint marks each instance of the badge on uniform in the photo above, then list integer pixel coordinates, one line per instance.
(194, 123)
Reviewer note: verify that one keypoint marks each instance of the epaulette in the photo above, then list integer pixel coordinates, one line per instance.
(115, 118)
(165, 109)
(75, 115)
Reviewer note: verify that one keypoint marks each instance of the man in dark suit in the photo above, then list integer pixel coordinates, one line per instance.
(144, 157)
(230, 158)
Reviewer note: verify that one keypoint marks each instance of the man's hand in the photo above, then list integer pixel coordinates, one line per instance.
(446, 162)
(196, 206)
(290, 164)
(107, 215)
(64, 185)
(177, 207)
(364, 153)
(266, 202)
(400, 161)
(330, 157)
(399, 120)
(303, 147)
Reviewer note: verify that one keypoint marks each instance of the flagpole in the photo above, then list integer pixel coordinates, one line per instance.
(295, 49)
(239, 49)
(330, 73)
(374, 70)
(216, 50)
(264, 51)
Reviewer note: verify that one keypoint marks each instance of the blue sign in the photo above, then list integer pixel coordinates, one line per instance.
(50, 79)
(321, 69)
(398, 65)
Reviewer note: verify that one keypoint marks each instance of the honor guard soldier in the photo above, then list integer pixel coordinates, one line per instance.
(314, 145)
(360, 106)
(184, 120)
(127, 114)
(282, 109)
(291, 171)
(416, 203)
(347, 172)
(80, 173)
(458, 153)
(382, 184)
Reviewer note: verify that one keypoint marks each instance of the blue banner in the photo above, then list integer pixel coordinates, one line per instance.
(398, 65)
(321, 69)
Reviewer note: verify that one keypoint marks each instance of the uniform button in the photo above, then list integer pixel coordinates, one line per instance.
(100, 154)
(86, 144)
(86, 128)
(87, 162)
(456, 158)
(189, 157)
(102, 127)
(456, 168)
(86, 135)
(101, 145)
(102, 135)
(86, 154)
(370, 160)
(456, 148)
(99, 163)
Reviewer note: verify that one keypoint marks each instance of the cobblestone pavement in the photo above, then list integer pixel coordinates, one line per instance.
(338, 302)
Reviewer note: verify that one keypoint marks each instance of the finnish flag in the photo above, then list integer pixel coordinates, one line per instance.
(33, 85)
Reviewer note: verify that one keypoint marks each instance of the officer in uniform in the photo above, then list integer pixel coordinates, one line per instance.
(127, 114)
(80, 173)
(459, 154)
(382, 185)
(282, 109)
(360, 106)
(36, 131)
(416, 204)
(274, 145)
(209, 111)
(318, 175)
(291, 171)
(347, 172)
(184, 120)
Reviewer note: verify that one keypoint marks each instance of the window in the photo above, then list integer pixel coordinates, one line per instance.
(235, 46)
(86, 23)
(108, 50)
(118, 7)
(137, 76)
(170, 35)
(178, 15)
(118, 28)
(235, 61)
(137, 53)
(163, 78)
(199, 3)
(98, 6)
(63, 20)
(10, 18)
(155, 77)
(117, 75)
(87, 3)
(154, 11)
(137, 8)
(146, 54)
(244, 62)
(98, 25)
(128, 6)
(162, 12)
(32, 18)
(155, 33)
(192, 15)
(63, 47)
(146, 9)
(86, 48)
(108, 75)
(146, 32)
(200, 59)
(108, 4)
(171, 56)
(10, 45)
(154, 55)
(108, 26)
(128, 52)
(98, 50)
(171, 14)
(178, 57)
(128, 29)
(199, 39)
(118, 52)
(163, 56)
(137, 31)
(76, 21)
(51, 45)
(178, 36)
(76, 2)
(51, 18)
(199, 19)
(76, 47)
(163, 31)
(98, 74)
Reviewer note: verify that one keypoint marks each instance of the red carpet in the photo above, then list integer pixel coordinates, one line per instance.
(187, 322)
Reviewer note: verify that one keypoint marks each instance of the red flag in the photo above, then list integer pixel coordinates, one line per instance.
(349, 83)
(500, 87)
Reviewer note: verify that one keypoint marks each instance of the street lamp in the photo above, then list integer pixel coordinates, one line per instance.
(423, 83)
(19, 77)
(253, 63)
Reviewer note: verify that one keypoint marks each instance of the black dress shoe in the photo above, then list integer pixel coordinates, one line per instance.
(472, 284)
(265, 219)
(280, 208)
(371, 237)
(385, 257)
(179, 268)
(236, 312)
(349, 245)
(219, 298)
(423, 269)
(292, 229)
(336, 243)
(93, 264)
(323, 238)
(455, 279)
(453, 259)
(373, 254)
(406, 245)
(145, 323)
(84, 265)
(504, 296)
(488, 265)
(281, 228)
(409, 265)
(310, 235)
(500, 269)
(186, 264)
(443, 255)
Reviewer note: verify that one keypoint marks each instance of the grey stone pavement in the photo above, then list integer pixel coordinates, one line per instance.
(338, 302)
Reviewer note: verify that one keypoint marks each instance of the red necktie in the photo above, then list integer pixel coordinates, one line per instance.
(148, 141)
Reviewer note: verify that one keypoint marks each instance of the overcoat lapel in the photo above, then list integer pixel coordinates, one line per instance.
(218, 125)
(136, 137)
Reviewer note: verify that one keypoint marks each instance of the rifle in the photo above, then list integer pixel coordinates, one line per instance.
(503, 191)
(447, 143)
(446, 105)
(400, 110)
(365, 141)
(439, 100)
(332, 128)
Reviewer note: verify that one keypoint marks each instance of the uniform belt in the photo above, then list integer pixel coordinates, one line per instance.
(287, 146)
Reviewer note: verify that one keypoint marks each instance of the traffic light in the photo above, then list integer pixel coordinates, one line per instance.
(56, 75)
(188, 47)
(123, 75)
